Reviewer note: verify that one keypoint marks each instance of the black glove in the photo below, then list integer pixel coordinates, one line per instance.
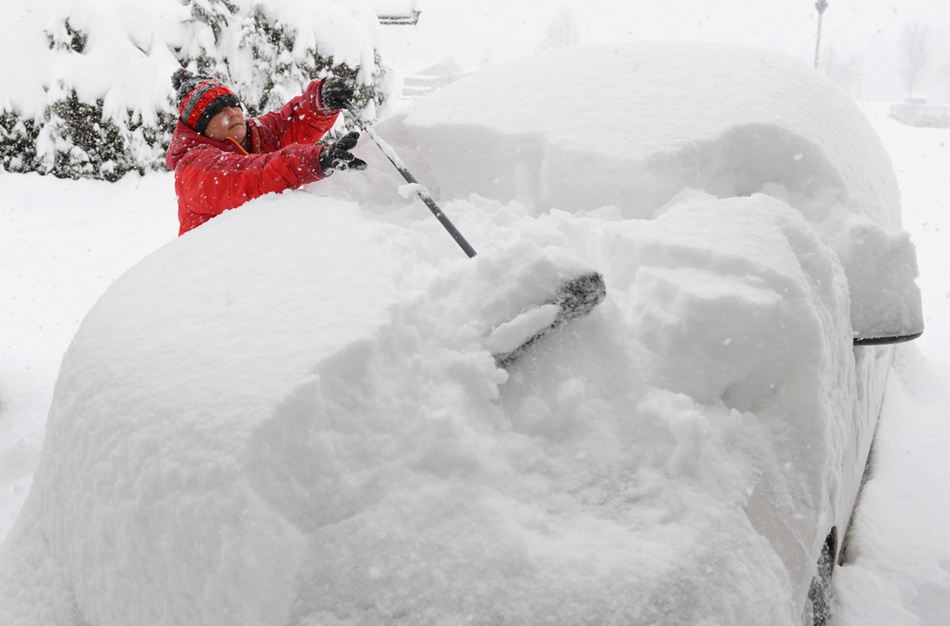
(339, 157)
(334, 93)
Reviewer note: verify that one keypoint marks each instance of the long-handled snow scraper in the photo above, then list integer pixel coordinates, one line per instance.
(420, 189)
(574, 298)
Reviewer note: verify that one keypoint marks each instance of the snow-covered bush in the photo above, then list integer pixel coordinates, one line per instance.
(89, 94)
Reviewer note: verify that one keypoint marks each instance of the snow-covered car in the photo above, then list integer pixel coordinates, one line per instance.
(747, 124)
(290, 415)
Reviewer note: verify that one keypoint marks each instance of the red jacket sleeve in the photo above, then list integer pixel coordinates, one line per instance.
(209, 181)
(302, 120)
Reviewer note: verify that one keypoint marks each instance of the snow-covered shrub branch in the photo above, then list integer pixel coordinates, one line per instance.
(89, 93)
(280, 57)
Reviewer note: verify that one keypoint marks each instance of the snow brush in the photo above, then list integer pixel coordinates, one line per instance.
(574, 298)
(420, 189)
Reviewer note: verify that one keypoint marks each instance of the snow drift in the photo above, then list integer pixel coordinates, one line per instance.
(290, 416)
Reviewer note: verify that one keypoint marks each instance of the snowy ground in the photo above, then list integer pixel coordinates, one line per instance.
(898, 569)
(62, 243)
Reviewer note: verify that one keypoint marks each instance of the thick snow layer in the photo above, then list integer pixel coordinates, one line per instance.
(675, 118)
(39, 30)
(291, 453)
(291, 415)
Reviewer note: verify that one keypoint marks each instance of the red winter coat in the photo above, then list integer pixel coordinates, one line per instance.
(278, 153)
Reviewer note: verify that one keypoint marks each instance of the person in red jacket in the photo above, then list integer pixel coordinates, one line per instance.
(221, 160)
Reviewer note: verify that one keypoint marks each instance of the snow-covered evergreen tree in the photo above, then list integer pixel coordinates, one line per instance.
(562, 32)
(89, 94)
(279, 57)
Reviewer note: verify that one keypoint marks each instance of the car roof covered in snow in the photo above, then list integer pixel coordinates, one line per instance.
(727, 119)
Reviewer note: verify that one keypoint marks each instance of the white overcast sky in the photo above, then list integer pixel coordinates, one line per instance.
(473, 32)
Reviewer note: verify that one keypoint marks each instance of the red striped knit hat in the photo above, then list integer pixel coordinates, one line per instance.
(200, 98)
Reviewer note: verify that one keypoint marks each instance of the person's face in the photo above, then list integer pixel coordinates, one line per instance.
(228, 123)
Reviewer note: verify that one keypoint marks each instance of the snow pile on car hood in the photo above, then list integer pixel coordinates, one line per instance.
(289, 415)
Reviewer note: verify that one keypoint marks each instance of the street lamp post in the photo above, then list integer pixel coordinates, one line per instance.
(821, 5)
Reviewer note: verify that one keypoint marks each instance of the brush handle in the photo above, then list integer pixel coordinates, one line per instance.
(420, 189)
